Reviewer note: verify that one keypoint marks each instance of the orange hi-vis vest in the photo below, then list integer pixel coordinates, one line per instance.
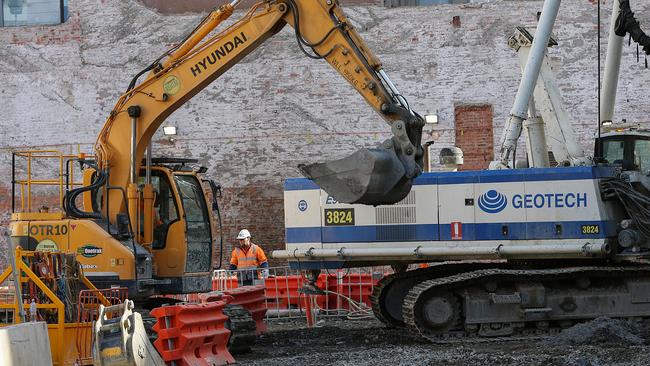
(249, 259)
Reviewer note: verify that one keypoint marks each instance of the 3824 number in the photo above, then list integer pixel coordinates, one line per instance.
(339, 216)
(590, 229)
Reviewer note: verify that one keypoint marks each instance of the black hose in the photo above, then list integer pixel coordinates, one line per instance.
(301, 41)
(135, 78)
(70, 197)
(627, 24)
(636, 204)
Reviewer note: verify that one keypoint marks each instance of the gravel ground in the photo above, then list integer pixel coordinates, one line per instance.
(603, 342)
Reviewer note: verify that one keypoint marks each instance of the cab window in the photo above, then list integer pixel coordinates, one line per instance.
(642, 155)
(613, 151)
(197, 221)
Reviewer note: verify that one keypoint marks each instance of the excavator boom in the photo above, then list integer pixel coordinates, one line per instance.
(373, 176)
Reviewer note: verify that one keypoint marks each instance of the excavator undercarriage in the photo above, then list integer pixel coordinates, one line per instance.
(498, 301)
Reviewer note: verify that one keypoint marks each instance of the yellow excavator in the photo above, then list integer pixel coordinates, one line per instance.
(145, 223)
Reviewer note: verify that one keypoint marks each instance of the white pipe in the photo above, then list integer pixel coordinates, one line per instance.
(536, 138)
(612, 68)
(527, 84)
(500, 251)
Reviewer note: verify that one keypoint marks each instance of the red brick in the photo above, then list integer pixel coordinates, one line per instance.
(474, 134)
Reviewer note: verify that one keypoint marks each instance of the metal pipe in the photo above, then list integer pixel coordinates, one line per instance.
(134, 112)
(13, 182)
(577, 250)
(170, 341)
(560, 135)
(134, 174)
(612, 68)
(148, 164)
(16, 277)
(61, 180)
(527, 83)
(393, 89)
(535, 59)
(536, 141)
(29, 182)
(207, 25)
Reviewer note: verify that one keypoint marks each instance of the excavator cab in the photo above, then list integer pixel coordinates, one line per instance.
(629, 149)
(181, 244)
(182, 222)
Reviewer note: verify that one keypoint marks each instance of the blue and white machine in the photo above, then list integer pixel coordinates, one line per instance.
(520, 251)
(507, 214)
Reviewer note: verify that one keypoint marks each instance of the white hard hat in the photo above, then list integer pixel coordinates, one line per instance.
(243, 234)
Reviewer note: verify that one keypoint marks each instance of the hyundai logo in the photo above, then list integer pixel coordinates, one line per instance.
(492, 201)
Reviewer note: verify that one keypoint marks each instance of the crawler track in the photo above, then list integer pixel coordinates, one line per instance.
(416, 319)
(406, 280)
(242, 328)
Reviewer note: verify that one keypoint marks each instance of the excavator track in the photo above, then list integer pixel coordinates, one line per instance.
(390, 291)
(434, 308)
(242, 327)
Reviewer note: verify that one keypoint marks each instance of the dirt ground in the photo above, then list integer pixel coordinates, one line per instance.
(603, 342)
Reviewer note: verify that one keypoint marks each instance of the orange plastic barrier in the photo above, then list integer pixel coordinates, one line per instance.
(282, 291)
(193, 334)
(357, 287)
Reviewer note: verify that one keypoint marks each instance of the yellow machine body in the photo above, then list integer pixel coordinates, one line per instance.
(97, 250)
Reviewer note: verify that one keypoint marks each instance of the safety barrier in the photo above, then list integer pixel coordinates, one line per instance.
(357, 286)
(192, 334)
(87, 312)
(345, 292)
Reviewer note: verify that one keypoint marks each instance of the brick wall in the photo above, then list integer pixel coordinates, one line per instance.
(258, 208)
(196, 6)
(474, 135)
(276, 108)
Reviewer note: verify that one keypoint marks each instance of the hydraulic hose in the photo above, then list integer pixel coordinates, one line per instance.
(69, 200)
(627, 24)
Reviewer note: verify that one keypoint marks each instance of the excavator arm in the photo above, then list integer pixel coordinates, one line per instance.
(372, 176)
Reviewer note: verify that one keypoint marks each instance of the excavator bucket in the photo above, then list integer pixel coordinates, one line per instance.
(369, 176)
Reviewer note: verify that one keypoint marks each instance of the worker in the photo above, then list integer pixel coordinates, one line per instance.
(247, 258)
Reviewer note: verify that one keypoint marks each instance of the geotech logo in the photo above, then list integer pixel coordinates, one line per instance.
(495, 202)
(492, 201)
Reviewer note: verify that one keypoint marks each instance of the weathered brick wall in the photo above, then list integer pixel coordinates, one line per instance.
(277, 108)
(185, 6)
(474, 135)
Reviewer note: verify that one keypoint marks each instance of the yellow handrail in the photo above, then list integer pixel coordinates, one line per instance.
(26, 183)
